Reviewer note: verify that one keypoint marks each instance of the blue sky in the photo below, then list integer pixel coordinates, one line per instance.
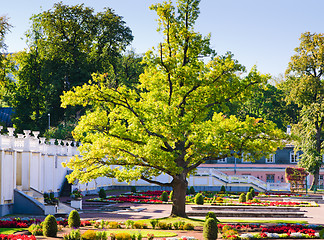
(258, 32)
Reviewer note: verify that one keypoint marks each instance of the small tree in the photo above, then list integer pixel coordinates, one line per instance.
(102, 193)
(74, 219)
(249, 196)
(242, 198)
(164, 196)
(210, 229)
(199, 199)
(50, 226)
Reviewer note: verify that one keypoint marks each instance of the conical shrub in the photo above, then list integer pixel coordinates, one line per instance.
(74, 219)
(50, 226)
(210, 229)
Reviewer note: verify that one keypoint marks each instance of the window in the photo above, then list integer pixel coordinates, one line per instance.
(270, 178)
(271, 158)
(223, 160)
(294, 157)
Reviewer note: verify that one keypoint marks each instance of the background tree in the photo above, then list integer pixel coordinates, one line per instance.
(267, 102)
(164, 125)
(66, 44)
(304, 85)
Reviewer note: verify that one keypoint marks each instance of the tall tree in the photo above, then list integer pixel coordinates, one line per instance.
(305, 85)
(66, 44)
(164, 125)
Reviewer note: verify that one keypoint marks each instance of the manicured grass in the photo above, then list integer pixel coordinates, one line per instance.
(193, 221)
(144, 232)
(11, 230)
(260, 221)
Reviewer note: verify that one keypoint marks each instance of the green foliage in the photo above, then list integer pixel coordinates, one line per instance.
(102, 193)
(249, 196)
(50, 226)
(304, 86)
(321, 233)
(73, 235)
(211, 215)
(242, 198)
(114, 225)
(192, 190)
(74, 219)
(164, 225)
(188, 227)
(129, 223)
(154, 223)
(168, 123)
(252, 192)
(250, 189)
(36, 229)
(89, 235)
(138, 225)
(123, 236)
(223, 189)
(133, 189)
(171, 195)
(210, 229)
(101, 235)
(164, 196)
(199, 199)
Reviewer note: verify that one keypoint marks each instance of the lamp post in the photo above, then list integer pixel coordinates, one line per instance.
(49, 121)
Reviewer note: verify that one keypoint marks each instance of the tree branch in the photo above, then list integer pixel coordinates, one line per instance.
(156, 182)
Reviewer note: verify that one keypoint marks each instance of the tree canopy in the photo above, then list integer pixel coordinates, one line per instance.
(66, 44)
(167, 123)
(305, 85)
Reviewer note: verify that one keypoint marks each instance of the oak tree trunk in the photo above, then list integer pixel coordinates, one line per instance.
(315, 179)
(179, 187)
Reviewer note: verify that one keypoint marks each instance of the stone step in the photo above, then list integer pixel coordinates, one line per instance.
(246, 208)
(249, 214)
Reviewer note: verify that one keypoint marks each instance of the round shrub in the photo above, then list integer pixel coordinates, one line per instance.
(102, 193)
(188, 226)
(50, 226)
(199, 199)
(164, 196)
(211, 215)
(192, 190)
(223, 189)
(249, 196)
(89, 235)
(74, 219)
(242, 198)
(210, 229)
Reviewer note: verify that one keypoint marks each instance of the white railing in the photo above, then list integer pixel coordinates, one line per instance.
(278, 187)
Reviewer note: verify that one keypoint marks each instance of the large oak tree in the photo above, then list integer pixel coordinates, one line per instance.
(167, 123)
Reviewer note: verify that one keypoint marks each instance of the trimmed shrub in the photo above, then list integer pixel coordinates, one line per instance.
(102, 193)
(249, 196)
(74, 219)
(192, 190)
(138, 225)
(101, 235)
(129, 223)
(188, 226)
(113, 225)
(154, 223)
(199, 199)
(250, 189)
(223, 189)
(187, 191)
(211, 215)
(36, 230)
(164, 196)
(164, 225)
(252, 192)
(89, 235)
(123, 236)
(210, 229)
(242, 198)
(133, 189)
(50, 226)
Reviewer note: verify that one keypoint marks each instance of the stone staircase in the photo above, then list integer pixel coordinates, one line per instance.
(247, 211)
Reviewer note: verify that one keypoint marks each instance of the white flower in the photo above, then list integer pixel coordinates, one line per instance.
(272, 235)
(247, 236)
(296, 234)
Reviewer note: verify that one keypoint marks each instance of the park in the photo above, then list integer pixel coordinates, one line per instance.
(119, 144)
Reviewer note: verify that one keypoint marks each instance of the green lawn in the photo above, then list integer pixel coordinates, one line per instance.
(11, 230)
(144, 232)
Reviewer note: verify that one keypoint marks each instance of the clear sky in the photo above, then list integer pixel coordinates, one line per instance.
(258, 32)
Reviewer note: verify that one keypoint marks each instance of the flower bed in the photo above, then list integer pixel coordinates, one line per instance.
(17, 222)
(17, 237)
(270, 203)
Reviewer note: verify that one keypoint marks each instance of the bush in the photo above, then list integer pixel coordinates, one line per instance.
(133, 189)
(249, 196)
(211, 215)
(171, 195)
(101, 235)
(188, 226)
(50, 226)
(74, 219)
(252, 192)
(123, 236)
(223, 189)
(113, 225)
(187, 191)
(164, 196)
(154, 223)
(89, 235)
(36, 230)
(250, 189)
(138, 225)
(163, 225)
(73, 235)
(242, 198)
(210, 229)
(192, 190)
(199, 199)
(129, 223)
(102, 193)
(321, 233)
